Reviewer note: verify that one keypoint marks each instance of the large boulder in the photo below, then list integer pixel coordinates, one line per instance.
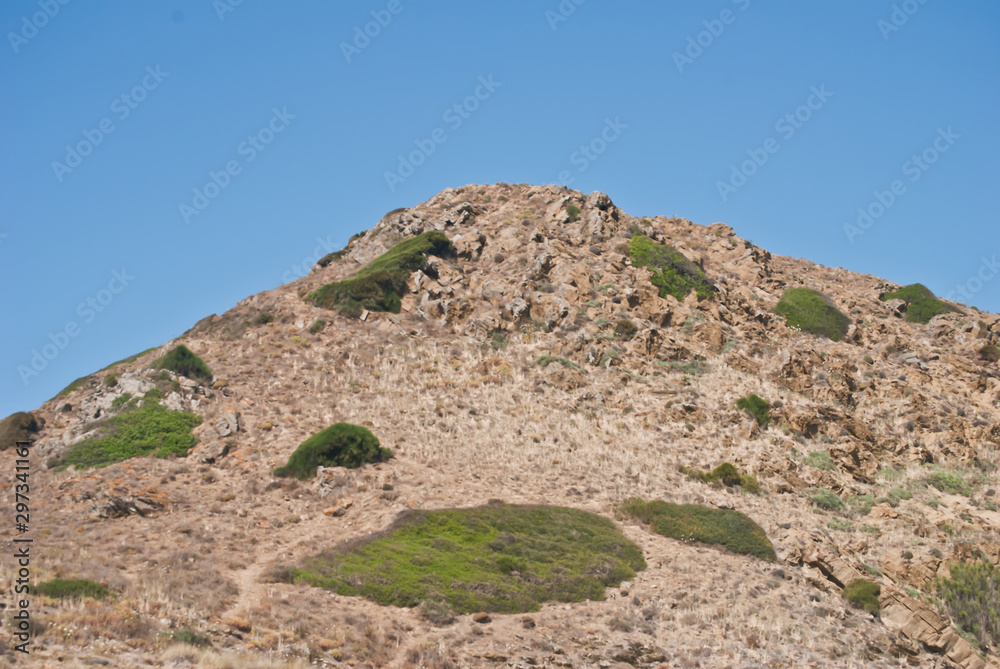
(21, 426)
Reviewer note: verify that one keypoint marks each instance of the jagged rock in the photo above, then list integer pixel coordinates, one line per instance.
(919, 622)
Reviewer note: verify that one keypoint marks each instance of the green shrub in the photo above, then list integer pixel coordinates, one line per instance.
(340, 445)
(190, 637)
(120, 401)
(673, 274)
(860, 504)
(757, 407)
(820, 460)
(72, 588)
(71, 387)
(333, 257)
(864, 594)
(317, 325)
(824, 499)
(180, 360)
(546, 360)
(625, 328)
(727, 475)
(840, 525)
(498, 341)
(897, 495)
(110, 381)
(20, 426)
(692, 367)
(690, 522)
(812, 312)
(921, 304)
(950, 482)
(971, 596)
(379, 285)
(263, 319)
(150, 429)
(573, 211)
(990, 353)
(497, 558)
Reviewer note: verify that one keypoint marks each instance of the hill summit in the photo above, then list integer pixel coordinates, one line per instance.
(560, 436)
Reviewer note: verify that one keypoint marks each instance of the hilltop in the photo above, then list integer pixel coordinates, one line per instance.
(535, 346)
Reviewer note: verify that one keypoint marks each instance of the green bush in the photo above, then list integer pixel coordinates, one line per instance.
(546, 360)
(812, 312)
(950, 482)
(340, 445)
(72, 588)
(726, 474)
(971, 597)
(180, 360)
(921, 304)
(824, 499)
(379, 285)
(190, 637)
(990, 353)
(263, 319)
(690, 522)
(820, 460)
(497, 558)
(757, 407)
(150, 429)
(317, 325)
(863, 594)
(110, 381)
(573, 211)
(20, 426)
(673, 274)
(625, 328)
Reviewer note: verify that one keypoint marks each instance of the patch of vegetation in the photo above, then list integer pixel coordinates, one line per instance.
(190, 637)
(498, 341)
(497, 558)
(840, 525)
(897, 495)
(379, 285)
(120, 401)
(726, 474)
(813, 312)
(691, 522)
(17, 427)
(864, 594)
(757, 407)
(673, 274)
(625, 328)
(180, 360)
(263, 319)
(921, 304)
(340, 445)
(824, 499)
(950, 482)
(110, 381)
(72, 588)
(317, 325)
(692, 367)
(332, 257)
(573, 211)
(820, 460)
(546, 360)
(71, 387)
(860, 504)
(970, 597)
(149, 429)
(990, 353)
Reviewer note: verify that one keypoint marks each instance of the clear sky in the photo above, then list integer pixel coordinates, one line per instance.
(163, 160)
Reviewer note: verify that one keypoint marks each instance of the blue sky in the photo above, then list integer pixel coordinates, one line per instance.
(162, 161)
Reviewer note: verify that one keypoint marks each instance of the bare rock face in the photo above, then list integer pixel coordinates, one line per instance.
(920, 623)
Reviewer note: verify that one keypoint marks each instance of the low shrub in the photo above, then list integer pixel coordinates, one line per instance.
(498, 341)
(263, 319)
(71, 588)
(990, 353)
(825, 499)
(725, 474)
(813, 312)
(379, 285)
(864, 594)
(20, 426)
(757, 407)
(317, 325)
(625, 328)
(573, 211)
(340, 445)
(970, 597)
(497, 558)
(921, 304)
(950, 482)
(546, 360)
(110, 381)
(673, 274)
(180, 360)
(691, 522)
(820, 460)
(149, 429)
(188, 636)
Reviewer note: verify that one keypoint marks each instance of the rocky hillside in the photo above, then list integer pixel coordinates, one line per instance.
(560, 352)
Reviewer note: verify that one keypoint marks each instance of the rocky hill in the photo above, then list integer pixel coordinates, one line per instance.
(540, 347)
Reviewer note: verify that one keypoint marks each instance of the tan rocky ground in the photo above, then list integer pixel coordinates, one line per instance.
(453, 386)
